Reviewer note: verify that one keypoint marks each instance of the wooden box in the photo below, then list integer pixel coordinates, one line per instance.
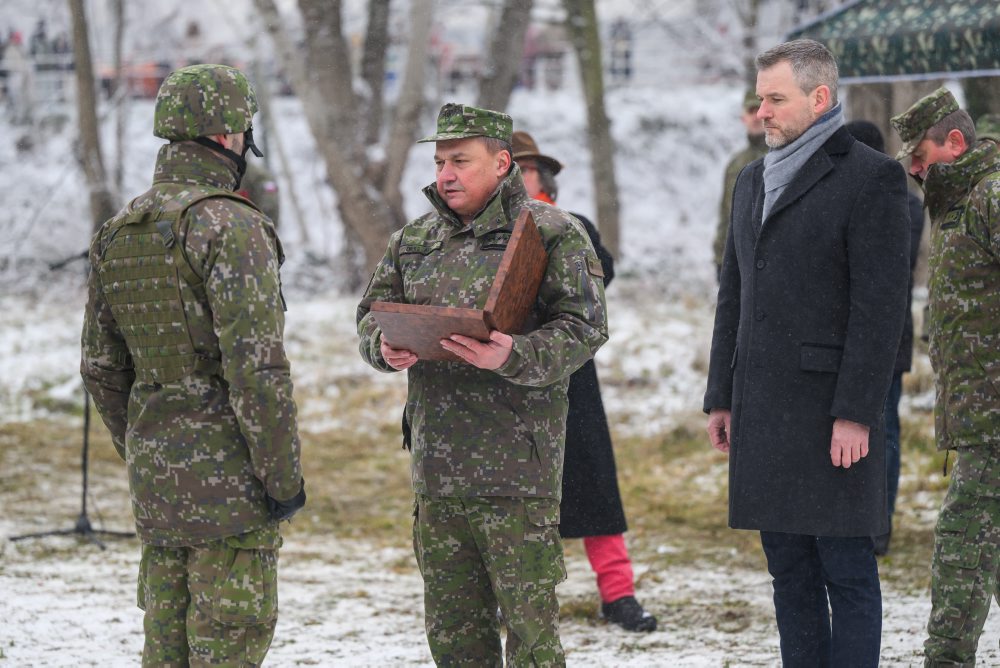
(419, 328)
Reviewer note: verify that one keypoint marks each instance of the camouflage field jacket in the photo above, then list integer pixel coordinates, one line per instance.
(502, 432)
(202, 451)
(964, 296)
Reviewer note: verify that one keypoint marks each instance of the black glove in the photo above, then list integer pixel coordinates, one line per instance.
(283, 510)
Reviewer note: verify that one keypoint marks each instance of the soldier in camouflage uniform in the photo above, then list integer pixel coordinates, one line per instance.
(755, 148)
(988, 127)
(182, 351)
(487, 434)
(961, 181)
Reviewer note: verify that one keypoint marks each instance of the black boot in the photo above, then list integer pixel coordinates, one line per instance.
(628, 614)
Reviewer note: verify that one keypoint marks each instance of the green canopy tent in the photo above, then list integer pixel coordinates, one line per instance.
(895, 40)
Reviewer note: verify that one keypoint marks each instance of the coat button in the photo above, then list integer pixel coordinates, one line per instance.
(761, 263)
(759, 315)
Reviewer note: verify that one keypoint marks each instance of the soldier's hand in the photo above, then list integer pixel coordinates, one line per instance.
(397, 358)
(718, 428)
(283, 510)
(487, 355)
(849, 443)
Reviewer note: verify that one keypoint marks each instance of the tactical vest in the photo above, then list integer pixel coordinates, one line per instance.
(142, 269)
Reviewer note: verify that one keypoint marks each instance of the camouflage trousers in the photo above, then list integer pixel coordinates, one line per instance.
(480, 553)
(966, 558)
(213, 604)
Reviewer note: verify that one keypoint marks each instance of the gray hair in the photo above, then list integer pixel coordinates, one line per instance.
(494, 146)
(812, 65)
(956, 120)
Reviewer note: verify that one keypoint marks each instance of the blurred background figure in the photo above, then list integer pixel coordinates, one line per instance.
(260, 187)
(868, 133)
(755, 148)
(591, 505)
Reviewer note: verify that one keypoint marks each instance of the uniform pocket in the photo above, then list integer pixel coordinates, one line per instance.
(246, 592)
(955, 574)
(542, 562)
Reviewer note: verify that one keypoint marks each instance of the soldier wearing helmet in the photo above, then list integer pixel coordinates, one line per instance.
(182, 351)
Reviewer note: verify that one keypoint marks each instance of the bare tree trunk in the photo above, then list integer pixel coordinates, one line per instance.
(409, 105)
(373, 66)
(581, 19)
(749, 11)
(121, 96)
(102, 205)
(504, 62)
(334, 113)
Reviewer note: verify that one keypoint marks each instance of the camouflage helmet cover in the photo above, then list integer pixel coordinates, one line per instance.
(203, 100)
(459, 121)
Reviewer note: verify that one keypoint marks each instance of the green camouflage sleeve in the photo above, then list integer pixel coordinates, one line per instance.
(576, 324)
(244, 294)
(105, 363)
(385, 285)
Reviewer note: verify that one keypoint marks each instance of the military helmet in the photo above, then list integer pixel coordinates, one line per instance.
(203, 100)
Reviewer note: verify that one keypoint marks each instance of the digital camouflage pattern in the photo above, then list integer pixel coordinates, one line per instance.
(203, 100)
(755, 148)
(478, 554)
(491, 433)
(966, 559)
(892, 38)
(963, 199)
(924, 114)
(458, 121)
(201, 451)
(213, 604)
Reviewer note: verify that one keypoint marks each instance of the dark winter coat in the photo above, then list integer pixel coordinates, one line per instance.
(809, 317)
(591, 504)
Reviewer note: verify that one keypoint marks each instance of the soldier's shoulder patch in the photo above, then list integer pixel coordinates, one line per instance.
(595, 268)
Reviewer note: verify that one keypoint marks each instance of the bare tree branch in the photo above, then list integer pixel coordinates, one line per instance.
(102, 205)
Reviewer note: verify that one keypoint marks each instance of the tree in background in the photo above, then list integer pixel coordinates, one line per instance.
(347, 125)
(581, 21)
(504, 59)
(102, 204)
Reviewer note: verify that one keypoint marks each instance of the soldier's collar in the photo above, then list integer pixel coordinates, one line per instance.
(188, 162)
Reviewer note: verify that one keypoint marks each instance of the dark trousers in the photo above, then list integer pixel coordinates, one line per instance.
(892, 440)
(827, 599)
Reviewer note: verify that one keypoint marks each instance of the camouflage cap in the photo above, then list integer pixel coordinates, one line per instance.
(750, 100)
(203, 100)
(921, 117)
(458, 121)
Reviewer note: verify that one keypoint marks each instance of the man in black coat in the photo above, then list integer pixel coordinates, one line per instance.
(810, 311)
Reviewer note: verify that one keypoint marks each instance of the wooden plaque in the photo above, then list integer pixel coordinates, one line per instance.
(420, 328)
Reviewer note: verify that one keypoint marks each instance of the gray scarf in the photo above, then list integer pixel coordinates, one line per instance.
(782, 164)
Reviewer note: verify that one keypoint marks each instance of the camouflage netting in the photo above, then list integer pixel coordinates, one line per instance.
(894, 39)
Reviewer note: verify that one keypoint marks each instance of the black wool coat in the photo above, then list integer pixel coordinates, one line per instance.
(591, 504)
(808, 322)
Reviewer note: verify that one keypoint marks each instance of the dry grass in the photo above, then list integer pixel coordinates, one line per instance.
(673, 485)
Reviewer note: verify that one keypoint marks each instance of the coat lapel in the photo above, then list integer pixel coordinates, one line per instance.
(758, 199)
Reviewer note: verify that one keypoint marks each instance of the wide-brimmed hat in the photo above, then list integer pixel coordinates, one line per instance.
(459, 121)
(525, 148)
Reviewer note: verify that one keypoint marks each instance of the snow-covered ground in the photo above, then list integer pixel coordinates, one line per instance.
(348, 602)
